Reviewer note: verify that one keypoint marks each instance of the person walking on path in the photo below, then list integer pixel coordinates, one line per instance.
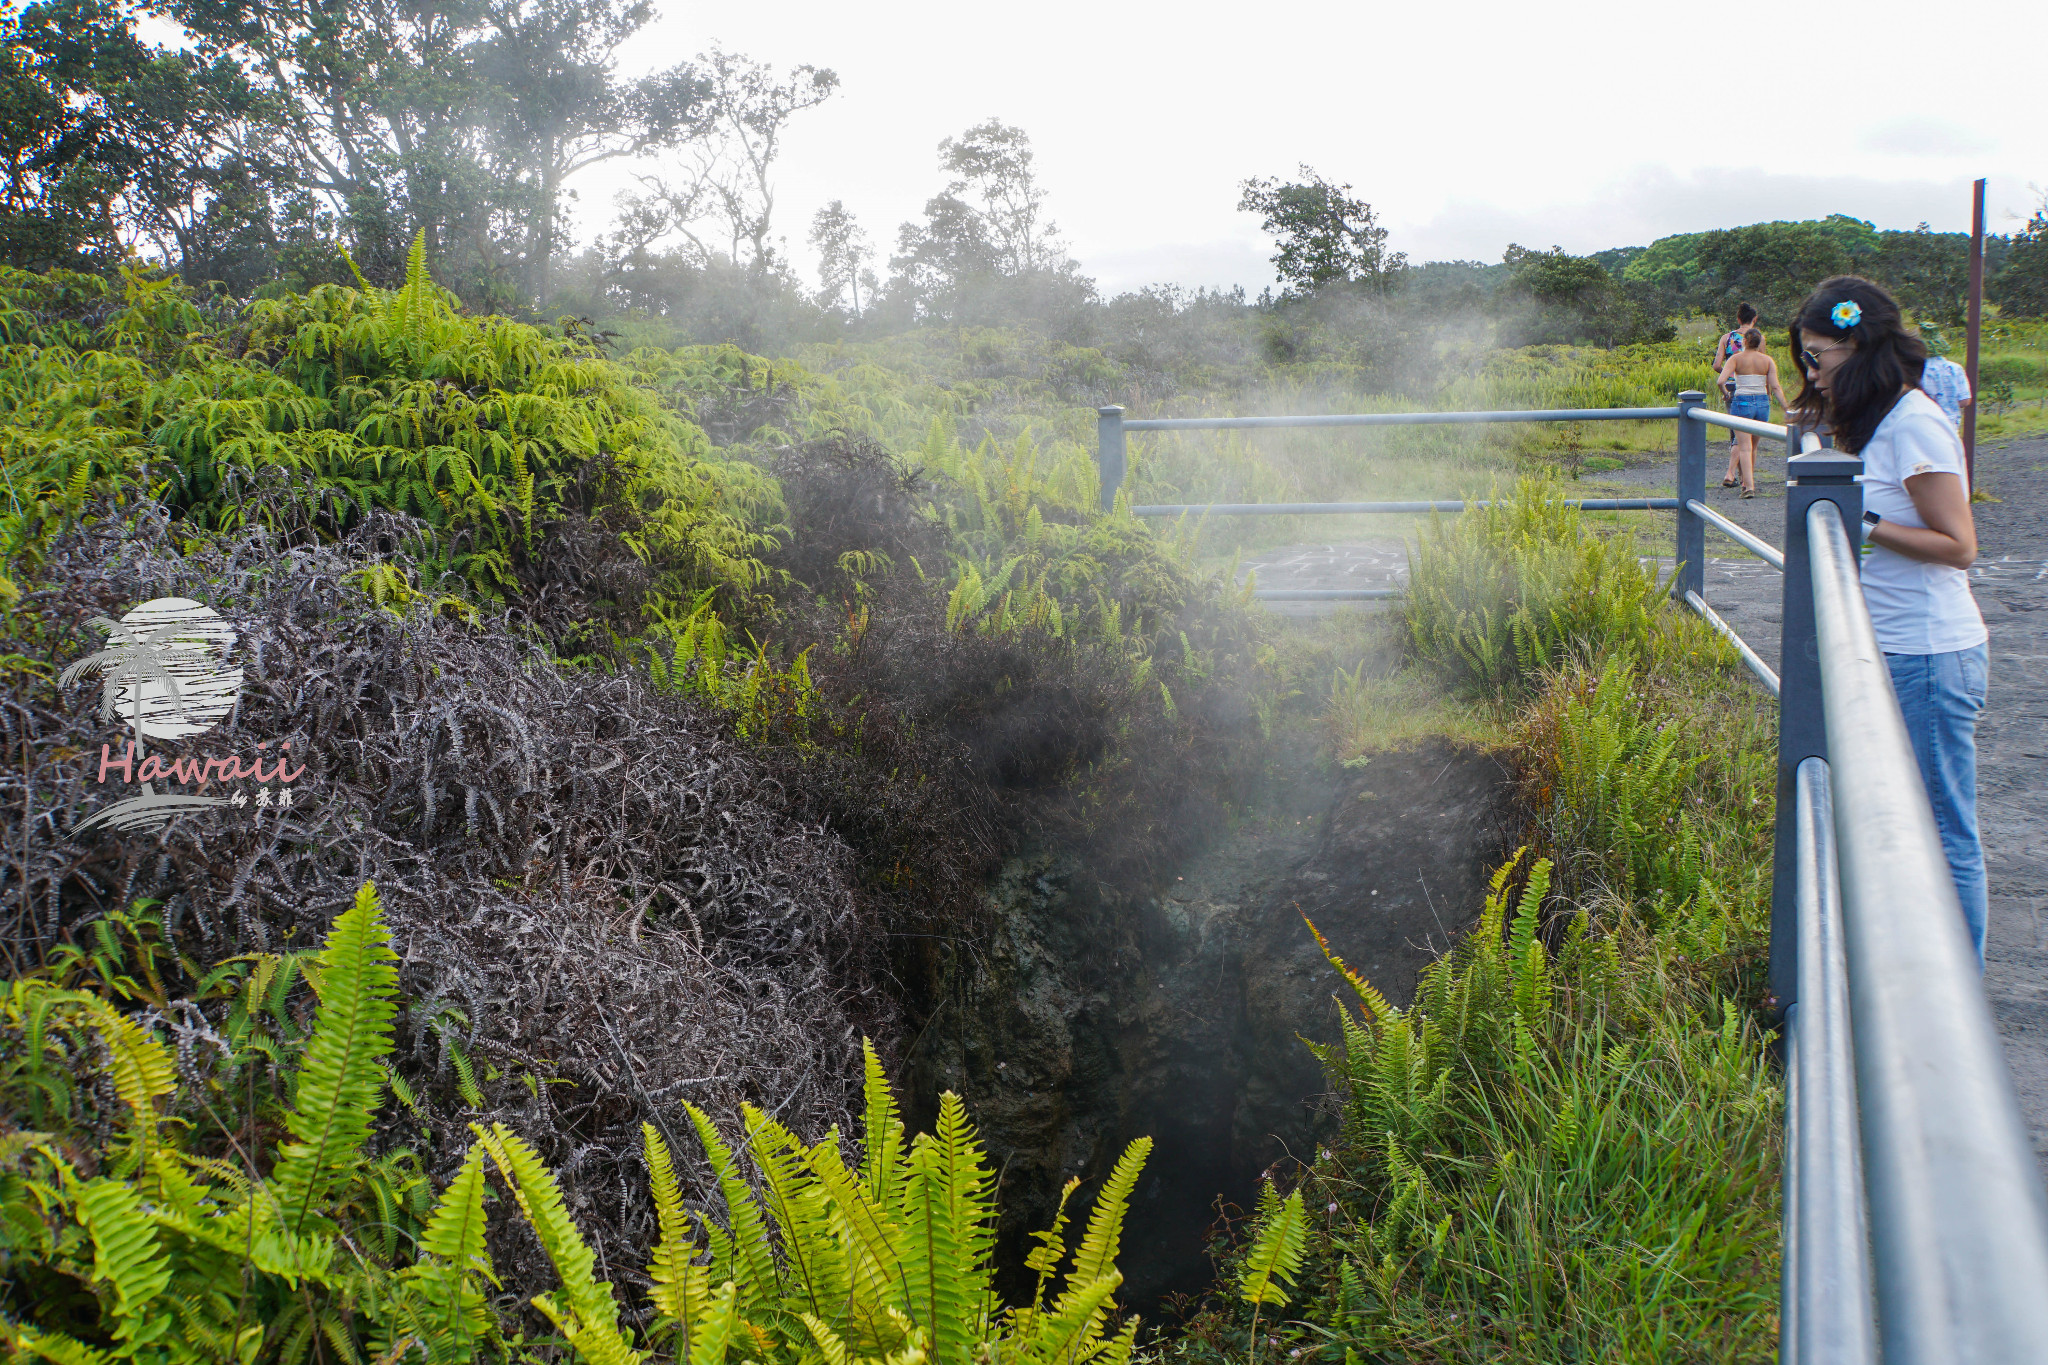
(1921, 541)
(1753, 375)
(1948, 384)
(1730, 344)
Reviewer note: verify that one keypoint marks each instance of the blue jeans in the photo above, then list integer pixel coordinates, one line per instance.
(1756, 407)
(1940, 696)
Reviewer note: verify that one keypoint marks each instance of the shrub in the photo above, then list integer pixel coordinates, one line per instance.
(189, 1257)
(484, 429)
(2010, 369)
(1503, 592)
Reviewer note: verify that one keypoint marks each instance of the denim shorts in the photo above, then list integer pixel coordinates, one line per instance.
(1755, 406)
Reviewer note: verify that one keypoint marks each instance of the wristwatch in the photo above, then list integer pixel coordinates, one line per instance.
(1870, 521)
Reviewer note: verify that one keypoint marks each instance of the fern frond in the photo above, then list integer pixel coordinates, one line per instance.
(452, 1252)
(125, 1250)
(341, 1079)
(1096, 1258)
(1276, 1255)
(749, 1260)
(587, 1314)
(54, 1347)
(1363, 989)
(882, 1147)
(949, 1213)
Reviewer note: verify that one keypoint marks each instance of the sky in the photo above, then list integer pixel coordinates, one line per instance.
(1583, 123)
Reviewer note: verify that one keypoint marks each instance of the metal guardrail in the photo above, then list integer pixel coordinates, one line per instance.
(1394, 419)
(1314, 509)
(1765, 674)
(1734, 423)
(1825, 1298)
(1112, 460)
(1762, 549)
(1915, 1219)
(1958, 1214)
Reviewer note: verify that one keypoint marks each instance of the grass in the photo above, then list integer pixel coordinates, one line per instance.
(1567, 1149)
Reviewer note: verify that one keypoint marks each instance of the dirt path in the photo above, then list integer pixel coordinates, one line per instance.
(2011, 583)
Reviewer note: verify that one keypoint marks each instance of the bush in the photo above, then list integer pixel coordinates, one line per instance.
(485, 430)
(2010, 369)
(189, 1257)
(1501, 593)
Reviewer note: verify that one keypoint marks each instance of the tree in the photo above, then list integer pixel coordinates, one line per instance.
(843, 253)
(1326, 237)
(985, 235)
(2021, 288)
(114, 143)
(545, 74)
(1555, 297)
(374, 106)
(991, 165)
(728, 177)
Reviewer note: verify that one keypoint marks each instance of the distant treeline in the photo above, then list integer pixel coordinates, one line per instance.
(310, 141)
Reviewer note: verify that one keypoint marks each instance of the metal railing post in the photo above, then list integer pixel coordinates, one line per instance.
(1692, 485)
(1109, 452)
(1958, 1214)
(1825, 1310)
(1802, 732)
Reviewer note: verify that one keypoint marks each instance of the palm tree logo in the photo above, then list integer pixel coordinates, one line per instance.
(165, 667)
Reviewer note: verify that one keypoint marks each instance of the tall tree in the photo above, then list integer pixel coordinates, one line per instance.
(2021, 287)
(726, 182)
(986, 232)
(546, 73)
(991, 166)
(375, 104)
(115, 143)
(843, 254)
(1325, 236)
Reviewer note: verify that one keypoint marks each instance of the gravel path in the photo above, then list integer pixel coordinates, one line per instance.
(2011, 583)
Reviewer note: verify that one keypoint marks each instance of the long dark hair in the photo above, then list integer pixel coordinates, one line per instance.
(1887, 357)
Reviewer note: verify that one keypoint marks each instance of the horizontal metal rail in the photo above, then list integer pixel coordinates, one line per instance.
(1398, 419)
(1824, 1318)
(1734, 423)
(1309, 509)
(1763, 671)
(1762, 549)
(1327, 594)
(1958, 1213)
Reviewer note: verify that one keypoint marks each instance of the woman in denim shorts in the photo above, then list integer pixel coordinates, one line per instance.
(1755, 377)
(1921, 542)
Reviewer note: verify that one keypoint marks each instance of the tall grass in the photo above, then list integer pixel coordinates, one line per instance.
(1567, 1149)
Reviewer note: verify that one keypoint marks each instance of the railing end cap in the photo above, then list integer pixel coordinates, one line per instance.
(1825, 466)
(1113, 409)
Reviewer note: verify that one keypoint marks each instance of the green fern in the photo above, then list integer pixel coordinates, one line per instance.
(341, 1077)
(586, 1313)
(1279, 1243)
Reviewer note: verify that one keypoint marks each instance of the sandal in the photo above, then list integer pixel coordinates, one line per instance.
(1727, 483)
(1749, 492)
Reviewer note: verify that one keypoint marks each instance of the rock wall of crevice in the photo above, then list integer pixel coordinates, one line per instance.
(1094, 1014)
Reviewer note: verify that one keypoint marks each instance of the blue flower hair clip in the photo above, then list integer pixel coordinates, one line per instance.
(1846, 314)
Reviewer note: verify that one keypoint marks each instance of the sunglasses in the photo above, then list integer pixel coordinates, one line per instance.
(1811, 359)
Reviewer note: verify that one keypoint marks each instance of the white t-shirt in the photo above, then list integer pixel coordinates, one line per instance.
(1917, 608)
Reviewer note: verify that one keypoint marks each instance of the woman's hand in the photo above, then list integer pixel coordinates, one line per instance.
(1950, 536)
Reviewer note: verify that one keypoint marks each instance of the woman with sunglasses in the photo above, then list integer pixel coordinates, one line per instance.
(1920, 541)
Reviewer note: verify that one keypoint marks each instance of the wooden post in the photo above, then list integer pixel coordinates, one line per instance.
(1976, 325)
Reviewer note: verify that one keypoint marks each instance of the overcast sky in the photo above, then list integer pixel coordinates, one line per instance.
(1584, 123)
